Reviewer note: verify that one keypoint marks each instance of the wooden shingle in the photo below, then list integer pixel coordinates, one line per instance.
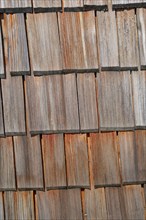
(128, 3)
(28, 162)
(133, 156)
(95, 4)
(19, 205)
(105, 159)
(46, 5)
(115, 101)
(73, 4)
(1, 206)
(141, 25)
(13, 6)
(54, 161)
(127, 38)
(13, 105)
(77, 160)
(139, 96)
(7, 171)
(1, 116)
(2, 72)
(87, 101)
(107, 32)
(59, 204)
(78, 35)
(95, 204)
(43, 41)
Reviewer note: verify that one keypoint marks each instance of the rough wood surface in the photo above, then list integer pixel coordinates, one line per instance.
(19, 205)
(139, 94)
(28, 162)
(7, 172)
(141, 26)
(115, 101)
(127, 37)
(87, 101)
(73, 4)
(96, 3)
(127, 3)
(13, 105)
(107, 32)
(54, 160)
(43, 41)
(78, 35)
(46, 5)
(95, 204)
(133, 156)
(17, 44)
(15, 6)
(1, 116)
(105, 159)
(77, 160)
(1, 206)
(2, 73)
(59, 204)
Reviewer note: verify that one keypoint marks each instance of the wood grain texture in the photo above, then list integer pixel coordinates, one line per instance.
(105, 159)
(133, 156)
(59, 204)
(52, 113)
(128, 3)
(43, 41)
(107, 32)
(1, 116)
(141, 26)
(13, 105)
(145, 191)
(95, 204)
(115, 101)
(77, 160)
(139, 94)
(17, 44)
(87, 101)
(1, 206)
(94, 4)
(7, 171)
(73, 4)
(28, 162)
(127, 37)
(12, 6)
(19, 205)
(78, 35)
(54, 160)
(46, 5)
(2, 71)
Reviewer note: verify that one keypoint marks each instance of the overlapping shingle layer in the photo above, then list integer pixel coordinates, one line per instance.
(73, 109)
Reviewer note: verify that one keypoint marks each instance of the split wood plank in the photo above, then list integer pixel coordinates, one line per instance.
(1, 206)
(78, 35)
(44, 44)
(54, 161)
(17, 44)
(128, 39)
(105, 159)
(73, 4)
(2, 71)
(77, 160)
(139, 94)
(141, 26)
(95, 4)
(1, 115)
(95, 204)
(19, 205)
(59, 204)
(128, 3)
(108, 40)
(87, 101)
(13, 105)
(46, 5)
(13, 6)
(7, 171)
(53, 98)
(115, 101)
(28, 162)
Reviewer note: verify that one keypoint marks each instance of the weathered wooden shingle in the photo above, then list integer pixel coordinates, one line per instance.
(127, 38)
(19, 205)
(87, 101)
(15, 6)
(141, 25)
(128, 3)
(7, 171)
(1, 206)
(72, 4)
(2, 71)
(13, 105)
(28, 162)
(46, 5)
(59, 204)
(14, 25)
(133, 156)
(1, 115)
(115, 101)
(139, 96)
(77, 160)
(95, 4)
(78, 35)
(54, 160)
(108, 40)
(95, 204)
(105, 159)
(43, 41)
